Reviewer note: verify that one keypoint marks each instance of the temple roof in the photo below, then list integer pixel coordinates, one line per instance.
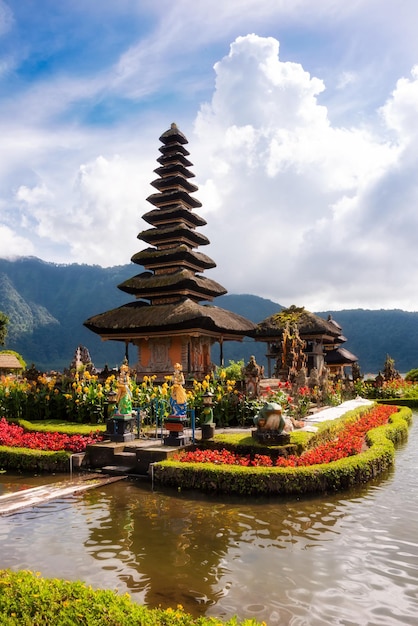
(340, 356)
(182, 282)
(173, 214)
(170, 291)
(309, 325)
(10, 362)
(175, 235)
(139, 319)
(179, 256)
(175, 195)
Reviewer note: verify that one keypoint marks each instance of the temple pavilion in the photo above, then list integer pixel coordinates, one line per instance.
(170, 320)
(297, 338)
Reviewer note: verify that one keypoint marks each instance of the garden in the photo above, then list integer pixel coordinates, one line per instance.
(45, 420)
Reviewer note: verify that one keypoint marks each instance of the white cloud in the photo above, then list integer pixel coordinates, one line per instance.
(401, 110)
(13, 245)
(6, 18)
(298, 172)
(96, 222)
(301, 200)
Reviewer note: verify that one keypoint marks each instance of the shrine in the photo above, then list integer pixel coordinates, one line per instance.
(300, 340)
(167, 322)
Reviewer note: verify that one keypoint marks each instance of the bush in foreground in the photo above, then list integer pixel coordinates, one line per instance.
(27, 599)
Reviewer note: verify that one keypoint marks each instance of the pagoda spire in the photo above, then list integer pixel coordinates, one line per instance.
(173, 264)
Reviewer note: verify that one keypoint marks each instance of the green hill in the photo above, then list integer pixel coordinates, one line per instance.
(48, 303)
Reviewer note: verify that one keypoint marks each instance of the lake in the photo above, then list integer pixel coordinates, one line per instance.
(340, 559)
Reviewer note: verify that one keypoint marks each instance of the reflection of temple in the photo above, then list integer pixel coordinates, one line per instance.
(166, 322)
(297, 338)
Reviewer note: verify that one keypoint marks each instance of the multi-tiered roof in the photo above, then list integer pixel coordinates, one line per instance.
(170, 290)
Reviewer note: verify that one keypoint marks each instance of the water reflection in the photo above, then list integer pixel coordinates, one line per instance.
(341, 559)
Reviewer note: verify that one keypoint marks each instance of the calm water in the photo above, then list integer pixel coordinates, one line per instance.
(350, 559)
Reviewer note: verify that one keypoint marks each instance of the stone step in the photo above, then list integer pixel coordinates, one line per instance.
(117, 470)
(125, 457)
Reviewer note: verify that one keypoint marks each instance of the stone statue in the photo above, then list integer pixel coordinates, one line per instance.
(252, 375)
(271, 418)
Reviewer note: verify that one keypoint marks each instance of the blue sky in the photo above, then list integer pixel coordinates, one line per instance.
(302, 121)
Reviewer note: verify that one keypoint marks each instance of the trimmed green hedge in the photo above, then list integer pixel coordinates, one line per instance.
(57, 426)
(27, 599)
(329, 477)
(25, 460)
(412, 403)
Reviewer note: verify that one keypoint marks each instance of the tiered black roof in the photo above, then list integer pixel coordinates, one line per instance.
(173, 264)
(170, 290)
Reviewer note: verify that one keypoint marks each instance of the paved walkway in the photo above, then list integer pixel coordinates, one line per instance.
(333, 412)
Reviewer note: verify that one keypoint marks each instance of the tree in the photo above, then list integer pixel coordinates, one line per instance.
(4, 320)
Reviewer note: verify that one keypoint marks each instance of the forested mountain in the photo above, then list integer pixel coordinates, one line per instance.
(48, 303)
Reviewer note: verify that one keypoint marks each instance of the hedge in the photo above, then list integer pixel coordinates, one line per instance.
(25, 460)
(27, 599)
(335, 476)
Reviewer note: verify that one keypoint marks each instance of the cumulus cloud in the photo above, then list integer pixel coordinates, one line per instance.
(13, 245)
(96, 222)
(306, 210)
(303, 206)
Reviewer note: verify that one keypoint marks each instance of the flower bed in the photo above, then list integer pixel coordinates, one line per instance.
(349, 441)
(359, 449)
(14, 436)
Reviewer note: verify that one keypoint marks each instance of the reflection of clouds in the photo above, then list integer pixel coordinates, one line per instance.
(284, 561)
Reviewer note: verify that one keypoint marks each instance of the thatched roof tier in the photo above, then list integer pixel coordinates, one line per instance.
(170, 169)
(173, 235)
(9, 363)
(173, 135)
(173, 215)
(174, 157)
(180, 256)
(168, 183)
(340, 356)
(171, 197)
(141, 320)
(182, 283)
(309, 326)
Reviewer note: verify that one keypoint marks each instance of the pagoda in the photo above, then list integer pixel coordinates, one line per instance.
(170, 320)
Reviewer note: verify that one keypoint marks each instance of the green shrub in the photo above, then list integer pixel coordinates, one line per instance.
(58, 426)
(412, 375)
(25, 460)
(26, 599)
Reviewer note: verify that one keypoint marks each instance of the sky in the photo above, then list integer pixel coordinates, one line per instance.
(302, 122)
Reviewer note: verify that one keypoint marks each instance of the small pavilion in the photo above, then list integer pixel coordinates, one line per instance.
(297, 338)
(9, 364)
(167, 322)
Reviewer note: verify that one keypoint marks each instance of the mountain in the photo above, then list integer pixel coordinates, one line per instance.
(47, 304)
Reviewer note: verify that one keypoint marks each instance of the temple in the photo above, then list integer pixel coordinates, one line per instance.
(297, 338)
(167, 322)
